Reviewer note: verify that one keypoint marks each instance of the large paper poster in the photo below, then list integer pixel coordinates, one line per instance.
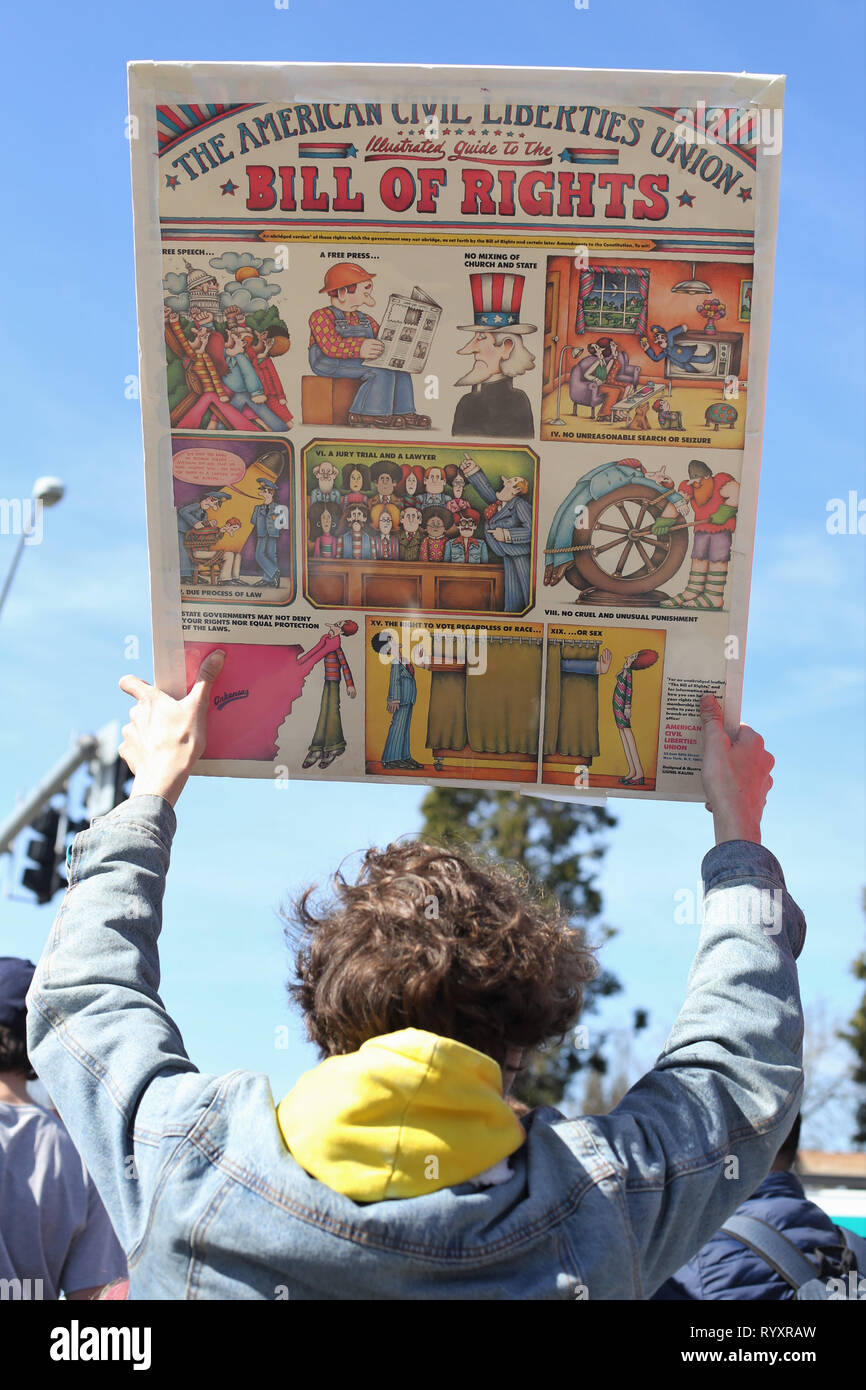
(452, 385)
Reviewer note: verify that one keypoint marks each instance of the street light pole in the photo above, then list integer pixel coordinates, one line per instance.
(81, 751)
(7, 582)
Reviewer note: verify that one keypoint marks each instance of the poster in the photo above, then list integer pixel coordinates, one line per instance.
(452, 387)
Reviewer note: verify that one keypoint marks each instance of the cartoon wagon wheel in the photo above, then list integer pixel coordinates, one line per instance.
(617, 552)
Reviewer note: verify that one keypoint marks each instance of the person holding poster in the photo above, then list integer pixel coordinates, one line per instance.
(423, 985)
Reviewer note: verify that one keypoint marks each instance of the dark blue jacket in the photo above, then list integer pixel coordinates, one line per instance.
(724, 1268)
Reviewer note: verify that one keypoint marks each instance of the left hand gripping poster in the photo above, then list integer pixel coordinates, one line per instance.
(452, 387)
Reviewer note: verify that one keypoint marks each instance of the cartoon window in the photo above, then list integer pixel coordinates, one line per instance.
(613, 297)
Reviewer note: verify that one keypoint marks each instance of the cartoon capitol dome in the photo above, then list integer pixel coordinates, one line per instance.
(203, 289)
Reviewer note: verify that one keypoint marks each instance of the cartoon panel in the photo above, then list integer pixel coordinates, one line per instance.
(362, 364)
(224, 335)
(453, 700)
(494, 405)
(602, 706)
(261, 687)
(418, 527)
(627, 533)
(234, 505)
(653, 350)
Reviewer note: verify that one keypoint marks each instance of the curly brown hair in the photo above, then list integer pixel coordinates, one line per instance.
(438, 939)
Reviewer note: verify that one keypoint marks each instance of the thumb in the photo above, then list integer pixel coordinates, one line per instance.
(207, 674)
(711, 714)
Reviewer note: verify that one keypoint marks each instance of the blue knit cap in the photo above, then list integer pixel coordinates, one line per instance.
(15, 977)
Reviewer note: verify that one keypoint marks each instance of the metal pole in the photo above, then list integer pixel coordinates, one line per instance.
(83, 749)
(7, 583)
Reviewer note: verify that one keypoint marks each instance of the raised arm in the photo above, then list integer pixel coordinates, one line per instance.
(694, 1137)
(99, 1036)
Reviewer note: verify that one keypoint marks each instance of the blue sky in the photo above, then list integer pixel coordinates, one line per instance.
(68, 341)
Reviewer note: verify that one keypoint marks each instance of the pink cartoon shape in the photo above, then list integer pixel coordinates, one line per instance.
(253, 693)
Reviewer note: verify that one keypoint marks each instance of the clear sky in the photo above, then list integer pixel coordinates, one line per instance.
(68, 341)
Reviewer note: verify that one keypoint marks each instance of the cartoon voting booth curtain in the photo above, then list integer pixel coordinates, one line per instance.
(571, 703)
(494, 713)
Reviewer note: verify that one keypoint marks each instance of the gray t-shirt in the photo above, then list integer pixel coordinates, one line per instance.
(53, 1226)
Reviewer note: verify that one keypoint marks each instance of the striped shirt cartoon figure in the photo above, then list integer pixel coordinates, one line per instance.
(323, 518)
(328, 741)
(385, 543)
(622, 700)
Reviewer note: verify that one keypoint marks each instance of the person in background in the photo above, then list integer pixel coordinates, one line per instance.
(726, 1268)
(55, 1235)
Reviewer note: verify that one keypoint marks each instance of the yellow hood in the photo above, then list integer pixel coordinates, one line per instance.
(406, 1114)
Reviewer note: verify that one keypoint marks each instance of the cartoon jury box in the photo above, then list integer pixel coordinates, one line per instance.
(449, 511)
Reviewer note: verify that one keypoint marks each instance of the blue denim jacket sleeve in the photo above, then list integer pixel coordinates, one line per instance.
(694, 1137)
(98, 1033)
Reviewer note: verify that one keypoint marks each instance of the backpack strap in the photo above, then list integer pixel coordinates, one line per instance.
(857, 1245)
(781, 1253)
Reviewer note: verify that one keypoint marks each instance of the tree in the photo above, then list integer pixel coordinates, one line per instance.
(601, 1092)
(855, 1036)
(829, 1094)
(560, 844)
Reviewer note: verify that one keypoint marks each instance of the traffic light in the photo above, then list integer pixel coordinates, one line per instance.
(55, 828)
(109, 774)
(108, 786)
(45, 880)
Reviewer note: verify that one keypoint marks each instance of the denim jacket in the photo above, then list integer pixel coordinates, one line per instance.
(209, 1203)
